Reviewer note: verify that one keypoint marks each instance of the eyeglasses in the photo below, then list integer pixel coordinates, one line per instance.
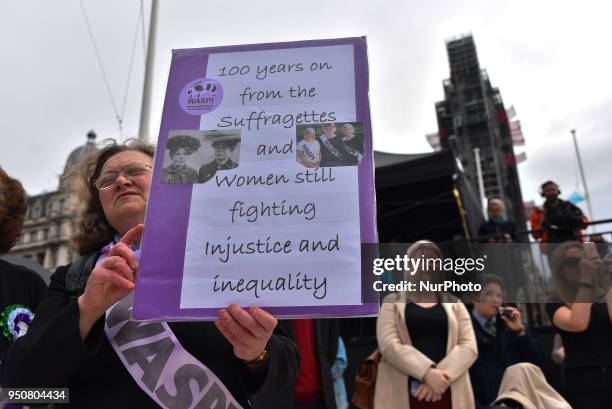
(130, 172)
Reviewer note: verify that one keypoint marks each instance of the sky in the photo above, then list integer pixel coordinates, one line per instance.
(550, 60)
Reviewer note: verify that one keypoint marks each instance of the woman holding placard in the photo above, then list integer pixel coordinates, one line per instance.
(76, 341)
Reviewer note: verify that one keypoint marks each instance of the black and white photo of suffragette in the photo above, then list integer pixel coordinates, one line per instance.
(224, 145)
(180, 147)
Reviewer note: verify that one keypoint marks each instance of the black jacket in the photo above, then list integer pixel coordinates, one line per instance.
(327, 333)
(208, 170)
(18, 285)
(498, 231)
(561, 219)
(495, 354)
(53, 355)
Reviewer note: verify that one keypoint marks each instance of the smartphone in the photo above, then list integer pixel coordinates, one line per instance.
(414, 385)
(504, 312)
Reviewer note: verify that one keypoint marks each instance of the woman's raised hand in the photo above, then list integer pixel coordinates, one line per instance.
(110, 281)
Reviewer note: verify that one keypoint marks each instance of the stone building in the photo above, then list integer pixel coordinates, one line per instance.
(52, 216)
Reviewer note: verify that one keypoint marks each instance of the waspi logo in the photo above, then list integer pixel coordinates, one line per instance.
(201, 96)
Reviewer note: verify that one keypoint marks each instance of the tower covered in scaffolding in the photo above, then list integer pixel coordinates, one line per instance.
(472, 115)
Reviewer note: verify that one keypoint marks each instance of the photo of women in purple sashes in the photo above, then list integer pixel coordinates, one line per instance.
(196, 156)
(321, 146)
(309, 150)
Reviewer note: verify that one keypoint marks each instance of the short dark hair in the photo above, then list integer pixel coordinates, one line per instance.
(548, 183)
(486, 279)
(13, 207)
(187, 142)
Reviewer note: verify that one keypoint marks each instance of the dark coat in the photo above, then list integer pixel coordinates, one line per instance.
(184, 175)
(563, 221)
(18, 285)
(52, 354)
(329, 159)
(494, 356)
(503, 231)
(209, 170)
(327, 333)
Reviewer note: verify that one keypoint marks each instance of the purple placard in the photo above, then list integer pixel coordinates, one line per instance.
(159, 283)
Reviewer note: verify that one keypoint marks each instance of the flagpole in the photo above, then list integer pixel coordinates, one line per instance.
(483, 199)
(145, 110)
(587, 197)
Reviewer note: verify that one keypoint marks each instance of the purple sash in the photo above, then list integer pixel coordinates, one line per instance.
(331, 148)
(309, 153)
(352, 151)
(158, 362)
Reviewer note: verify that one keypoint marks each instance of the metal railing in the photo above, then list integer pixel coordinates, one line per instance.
(527, 232)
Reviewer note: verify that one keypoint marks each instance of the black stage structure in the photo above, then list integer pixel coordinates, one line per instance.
(418, 196)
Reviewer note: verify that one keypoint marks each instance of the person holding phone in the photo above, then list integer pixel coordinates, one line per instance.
(502, 339)
(582, 314)
(427, 345)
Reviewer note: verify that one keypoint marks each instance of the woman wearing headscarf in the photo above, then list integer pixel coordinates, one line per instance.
(427, 343)
(74, 341)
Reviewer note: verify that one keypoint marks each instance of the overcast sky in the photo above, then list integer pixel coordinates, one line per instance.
(550, 59)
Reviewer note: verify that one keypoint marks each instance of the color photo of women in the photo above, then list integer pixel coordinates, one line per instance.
(309, 150)
(321, 147)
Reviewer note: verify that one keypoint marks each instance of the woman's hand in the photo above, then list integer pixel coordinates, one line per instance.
(588, 269)
(248, 332)
(110, 281)
(427, 394)
(437, 379)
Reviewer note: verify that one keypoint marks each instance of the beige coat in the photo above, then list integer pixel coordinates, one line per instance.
(401, 360)
(526, 384)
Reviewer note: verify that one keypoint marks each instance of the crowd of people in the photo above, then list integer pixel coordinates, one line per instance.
(437, 351)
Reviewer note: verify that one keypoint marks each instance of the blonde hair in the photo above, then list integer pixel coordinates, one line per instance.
(498, 201)
(422, 245)
(565, 288)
